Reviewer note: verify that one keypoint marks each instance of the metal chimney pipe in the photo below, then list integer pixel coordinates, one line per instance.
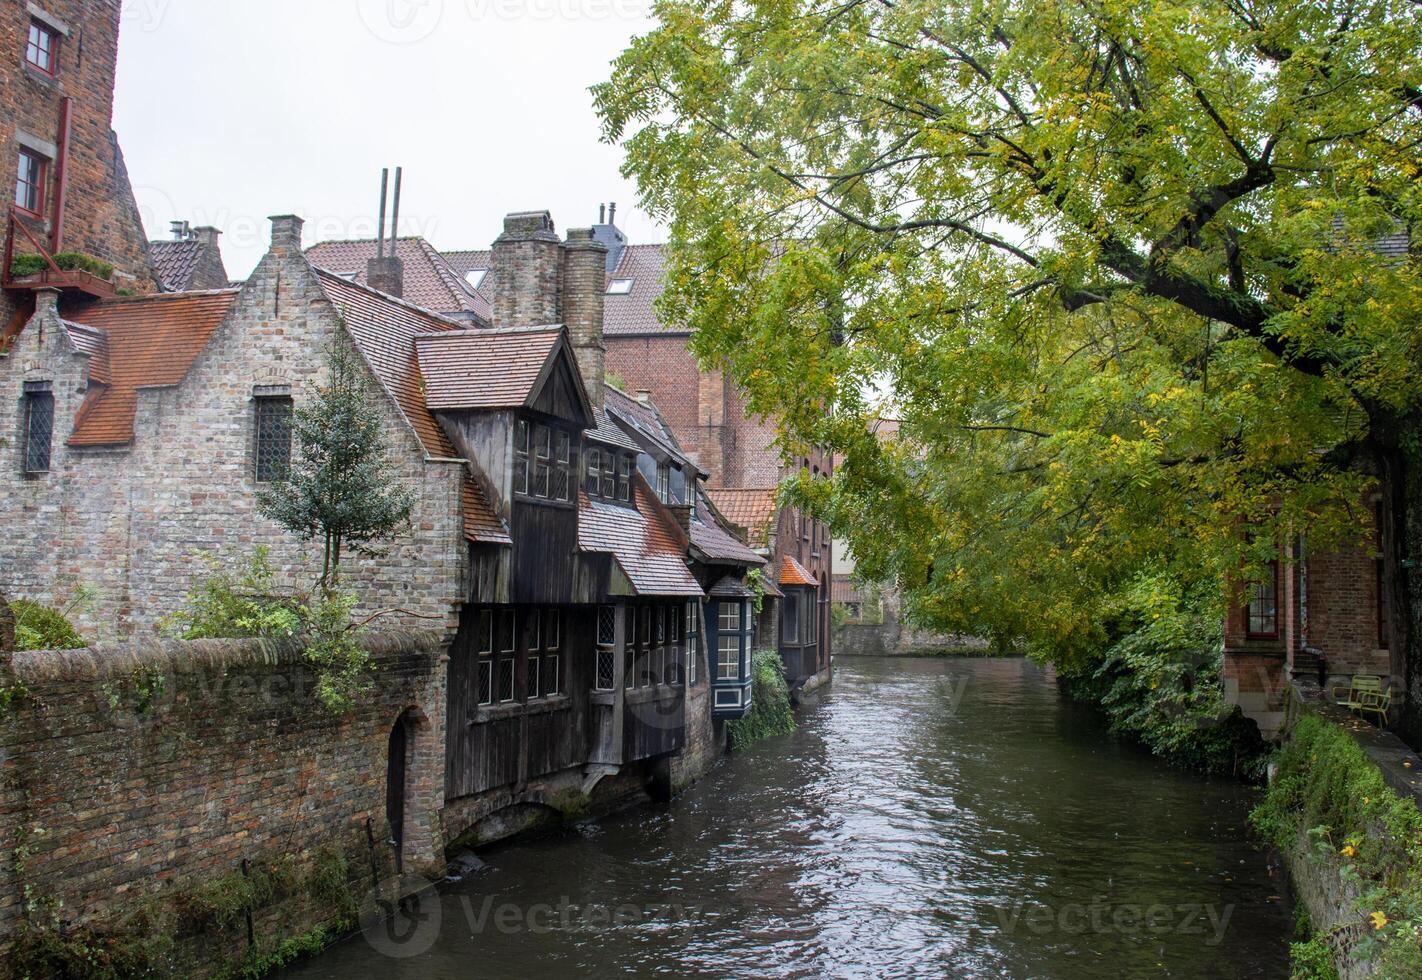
(612, 213)
(602, 214)
(380, 236)
(395, 214)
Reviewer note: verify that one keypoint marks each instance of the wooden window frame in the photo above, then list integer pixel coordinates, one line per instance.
(592, 478)
(1249, 631)
(624, 478)
(693, 642)
(37, 185)
(522, 465)
(37, 26)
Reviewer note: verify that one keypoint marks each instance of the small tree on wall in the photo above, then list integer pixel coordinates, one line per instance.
(340, 487)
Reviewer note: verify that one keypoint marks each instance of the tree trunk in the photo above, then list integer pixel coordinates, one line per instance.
(1399, 457)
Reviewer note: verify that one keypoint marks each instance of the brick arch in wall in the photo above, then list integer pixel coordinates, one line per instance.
(414, 783)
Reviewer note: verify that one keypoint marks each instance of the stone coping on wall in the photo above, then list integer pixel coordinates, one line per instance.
(1401, 767)
(120, 659)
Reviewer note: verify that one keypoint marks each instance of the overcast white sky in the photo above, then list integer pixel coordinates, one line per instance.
(232, 110)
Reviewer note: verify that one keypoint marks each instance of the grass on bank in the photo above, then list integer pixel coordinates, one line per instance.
(770, 712)
(1328, 792)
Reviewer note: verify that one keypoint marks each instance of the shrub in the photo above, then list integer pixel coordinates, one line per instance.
(1160, 681)
(770, 712)
(33, 265)
(1327, 788)
(39, 627)
(241, 602)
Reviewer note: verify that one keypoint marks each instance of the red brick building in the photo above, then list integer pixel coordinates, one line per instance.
(1314, 618)
(61, 163)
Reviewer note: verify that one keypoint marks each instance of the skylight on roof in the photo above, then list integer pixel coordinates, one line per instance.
(619, 287)
(475, 276)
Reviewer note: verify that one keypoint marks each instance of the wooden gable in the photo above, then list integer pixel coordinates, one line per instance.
(559, 390)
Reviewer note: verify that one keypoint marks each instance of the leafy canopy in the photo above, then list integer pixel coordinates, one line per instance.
(1116, 266)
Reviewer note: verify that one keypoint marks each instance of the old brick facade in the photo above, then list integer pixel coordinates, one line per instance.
(126, 517)
(1318, 617)
(99, 216)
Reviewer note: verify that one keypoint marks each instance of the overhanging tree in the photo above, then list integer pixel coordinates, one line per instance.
(1140, 277)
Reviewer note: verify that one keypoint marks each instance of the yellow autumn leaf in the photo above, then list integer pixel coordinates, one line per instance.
(1379, 919)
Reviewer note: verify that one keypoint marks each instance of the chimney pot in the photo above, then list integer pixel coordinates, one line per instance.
(602, 214)
(527, 266)
(612, 213)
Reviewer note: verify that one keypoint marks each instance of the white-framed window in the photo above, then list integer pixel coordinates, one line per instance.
(474, 277)
(609, 475)
(520, 473)
(593, 480)
(552, 628)
(728, 619)
(664, 483)
(486, 632)
(486, 682)
(619, 287)
(552, 679)
(606, 678)
(506, 679)
(728, 698)
(532, 640)
(29, 182)
(606, 626)
(646, 617)
(508, 641)
(693, 643)
(531, 679)
(659, 615)
(624, 477)
(728, 657)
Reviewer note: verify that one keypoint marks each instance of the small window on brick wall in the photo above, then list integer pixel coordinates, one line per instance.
(39, 425)
(272, 436)
(42, 48)
(1262, 614)
(29, 182)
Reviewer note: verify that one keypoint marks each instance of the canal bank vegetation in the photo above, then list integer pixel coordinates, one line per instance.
(1159, 681)
(770, 712)
(1123, 328)
(1330, 806)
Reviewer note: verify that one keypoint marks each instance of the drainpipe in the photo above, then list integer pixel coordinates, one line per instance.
(61, 173)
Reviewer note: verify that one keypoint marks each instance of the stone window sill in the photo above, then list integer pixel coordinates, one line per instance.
(516, 709)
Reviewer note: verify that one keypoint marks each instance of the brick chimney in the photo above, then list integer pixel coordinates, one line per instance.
(528, 271)
(386, 275)
(286, 232)
(584, 282)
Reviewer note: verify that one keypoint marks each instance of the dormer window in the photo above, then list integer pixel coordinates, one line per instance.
(474, 277)
(619, 287)
(42, 48)
(609, 474)
(29, 183)
(624, 478)
(664, 483)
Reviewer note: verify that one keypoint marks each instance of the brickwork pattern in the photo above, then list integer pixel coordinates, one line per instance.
(122, 796)
(128, 520)
(101, 217)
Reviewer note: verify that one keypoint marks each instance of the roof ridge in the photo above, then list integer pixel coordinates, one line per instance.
(329, 274)
(179, 294)
(362, 241)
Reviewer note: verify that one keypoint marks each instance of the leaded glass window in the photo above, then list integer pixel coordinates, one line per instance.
(273, 437)
(39, 426)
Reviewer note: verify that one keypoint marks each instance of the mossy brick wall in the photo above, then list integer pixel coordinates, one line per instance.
(115, 791)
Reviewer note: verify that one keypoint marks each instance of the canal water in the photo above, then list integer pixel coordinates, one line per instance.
(930, 818)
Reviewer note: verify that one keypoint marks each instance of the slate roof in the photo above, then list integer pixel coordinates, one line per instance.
(793, 573)
(645, 419)
(386, 331)
(429, 280)
(633, 313)
(175, 261)
(752, 509)
(643, 543)
(730, 586)
(608, 432)
(142, 342)
(95, 343)
(710, 537)
(484, 368)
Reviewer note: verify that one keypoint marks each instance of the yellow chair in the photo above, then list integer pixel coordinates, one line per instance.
(1377, 703)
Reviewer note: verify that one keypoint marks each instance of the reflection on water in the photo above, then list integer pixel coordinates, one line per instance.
(929, 818)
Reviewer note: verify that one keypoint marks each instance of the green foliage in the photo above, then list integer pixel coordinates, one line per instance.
(334, 649)
(138, 944)
(235, 599)
(246, 602)
(340, 488)
(770, 713)
(39, 627)
(31, 265)
(1160, 682)
(1328, 790)
(1111, 264)
(1312, 959)
(755, 581)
